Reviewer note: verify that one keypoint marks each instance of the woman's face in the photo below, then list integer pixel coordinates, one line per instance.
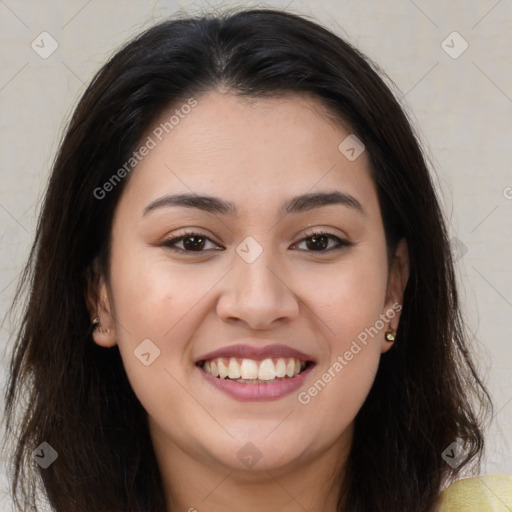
(253, 289)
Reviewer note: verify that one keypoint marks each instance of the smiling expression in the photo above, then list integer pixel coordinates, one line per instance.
(246, 228)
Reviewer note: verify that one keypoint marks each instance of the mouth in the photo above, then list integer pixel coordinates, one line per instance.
(252, 371)
(255, 373)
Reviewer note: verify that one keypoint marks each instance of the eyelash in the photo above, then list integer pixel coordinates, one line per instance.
(341, 243)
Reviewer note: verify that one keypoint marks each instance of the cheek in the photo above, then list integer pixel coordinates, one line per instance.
(152, 303)
(348, 303)
(151, 300)
(151, 294)
(348, 297)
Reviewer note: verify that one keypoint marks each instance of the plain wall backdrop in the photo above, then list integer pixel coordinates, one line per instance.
(452, 66)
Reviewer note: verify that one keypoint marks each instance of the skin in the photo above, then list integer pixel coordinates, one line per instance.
(256, 154)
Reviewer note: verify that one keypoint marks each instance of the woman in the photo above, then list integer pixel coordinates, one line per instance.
(241, 291)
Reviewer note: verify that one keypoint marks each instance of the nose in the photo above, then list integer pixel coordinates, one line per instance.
(257, 294)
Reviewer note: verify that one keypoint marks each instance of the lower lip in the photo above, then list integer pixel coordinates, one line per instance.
(258, 392)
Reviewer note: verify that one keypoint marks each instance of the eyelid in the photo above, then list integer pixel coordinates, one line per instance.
(170, 241)
(341, 242)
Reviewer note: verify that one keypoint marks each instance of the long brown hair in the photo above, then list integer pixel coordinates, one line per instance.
(67, 391)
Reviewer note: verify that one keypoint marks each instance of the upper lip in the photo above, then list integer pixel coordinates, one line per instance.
(258, 353)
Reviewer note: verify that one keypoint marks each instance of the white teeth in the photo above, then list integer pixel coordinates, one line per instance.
(251, 370)
(280, 367)
(267, 370)
(233, 369)
(223, 369)
(290, 368)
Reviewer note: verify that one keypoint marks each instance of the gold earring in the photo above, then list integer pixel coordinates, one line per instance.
(390, 336)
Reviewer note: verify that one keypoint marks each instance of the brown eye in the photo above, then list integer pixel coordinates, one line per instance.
(191, 242)
(194, 243)
(319, 242)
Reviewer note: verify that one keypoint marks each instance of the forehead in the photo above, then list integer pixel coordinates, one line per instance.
(251, 151)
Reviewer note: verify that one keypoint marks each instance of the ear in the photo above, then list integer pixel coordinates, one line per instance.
(397, 280)
(99, 306)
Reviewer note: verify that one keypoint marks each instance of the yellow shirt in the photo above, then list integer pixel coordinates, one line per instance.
(480, 494)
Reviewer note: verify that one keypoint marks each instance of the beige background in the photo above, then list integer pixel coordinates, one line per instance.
(463, 107)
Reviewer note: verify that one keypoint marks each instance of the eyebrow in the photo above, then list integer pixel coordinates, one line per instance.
(298, 204)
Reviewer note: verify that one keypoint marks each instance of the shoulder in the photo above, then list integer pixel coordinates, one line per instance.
(479, 494)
